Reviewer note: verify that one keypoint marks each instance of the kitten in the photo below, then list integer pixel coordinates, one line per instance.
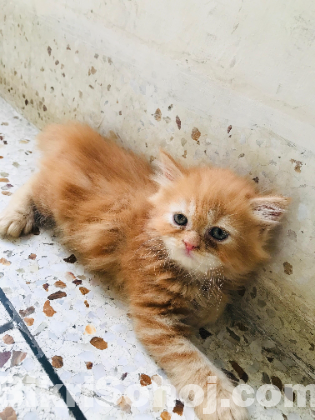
(176, 240)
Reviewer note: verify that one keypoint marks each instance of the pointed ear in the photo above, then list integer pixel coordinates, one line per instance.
(170, 170)
(269, 209)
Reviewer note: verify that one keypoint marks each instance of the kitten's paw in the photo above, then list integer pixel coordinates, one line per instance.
(225, 407)
(233, 412)
(15, 222)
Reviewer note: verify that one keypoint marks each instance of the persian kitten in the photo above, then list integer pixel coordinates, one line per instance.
(176, 240)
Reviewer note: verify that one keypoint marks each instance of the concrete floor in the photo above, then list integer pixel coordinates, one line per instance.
(47, 340)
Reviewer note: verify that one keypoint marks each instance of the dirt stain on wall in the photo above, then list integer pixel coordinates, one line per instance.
(298, 165)
(158, 114)
(288, 269)
(195, 134)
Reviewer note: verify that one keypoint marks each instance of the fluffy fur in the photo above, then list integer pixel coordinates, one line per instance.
(117, 213)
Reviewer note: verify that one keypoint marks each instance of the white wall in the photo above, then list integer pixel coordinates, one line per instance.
(249, 64)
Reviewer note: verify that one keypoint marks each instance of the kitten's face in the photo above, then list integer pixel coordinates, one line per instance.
(211, 219)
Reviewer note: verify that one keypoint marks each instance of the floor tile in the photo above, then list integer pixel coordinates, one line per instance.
(24, 386)
(4, 317)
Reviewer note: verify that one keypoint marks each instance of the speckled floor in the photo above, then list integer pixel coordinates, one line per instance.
(82, 333)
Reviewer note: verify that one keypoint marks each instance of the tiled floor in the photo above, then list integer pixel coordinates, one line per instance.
(4, 317)
(82, 333)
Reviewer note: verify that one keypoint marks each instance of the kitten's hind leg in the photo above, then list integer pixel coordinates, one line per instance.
(18, 217)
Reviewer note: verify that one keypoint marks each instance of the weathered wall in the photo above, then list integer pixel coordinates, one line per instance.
(229, 82)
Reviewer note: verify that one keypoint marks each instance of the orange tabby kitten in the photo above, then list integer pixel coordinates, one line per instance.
(176, 241)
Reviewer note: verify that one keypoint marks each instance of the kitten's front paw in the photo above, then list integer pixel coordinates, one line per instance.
(233, 412)
(219, 405)
(14, 222)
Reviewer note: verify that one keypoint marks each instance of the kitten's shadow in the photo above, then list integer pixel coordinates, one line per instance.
(273, 246)
(41, 221)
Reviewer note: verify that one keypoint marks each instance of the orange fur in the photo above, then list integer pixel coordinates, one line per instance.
(118, 214)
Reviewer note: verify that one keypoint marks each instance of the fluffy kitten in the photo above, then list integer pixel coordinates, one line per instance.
(176, 241)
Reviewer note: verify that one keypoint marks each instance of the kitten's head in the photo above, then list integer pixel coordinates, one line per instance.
(212, 219)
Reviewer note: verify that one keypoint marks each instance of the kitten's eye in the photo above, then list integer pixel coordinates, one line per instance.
(218, 234)
(180, 219)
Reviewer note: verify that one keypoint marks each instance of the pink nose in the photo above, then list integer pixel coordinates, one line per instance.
(189, 246)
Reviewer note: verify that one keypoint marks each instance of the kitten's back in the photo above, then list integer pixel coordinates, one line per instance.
(79, 145)
(93, 189)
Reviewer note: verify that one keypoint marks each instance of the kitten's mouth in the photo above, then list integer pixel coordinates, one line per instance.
(188, 252)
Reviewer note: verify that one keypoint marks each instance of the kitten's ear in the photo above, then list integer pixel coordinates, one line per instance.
(170, 170)
(269, 209)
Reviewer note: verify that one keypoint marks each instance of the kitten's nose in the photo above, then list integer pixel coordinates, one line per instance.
(189, 247)
(191, 240)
